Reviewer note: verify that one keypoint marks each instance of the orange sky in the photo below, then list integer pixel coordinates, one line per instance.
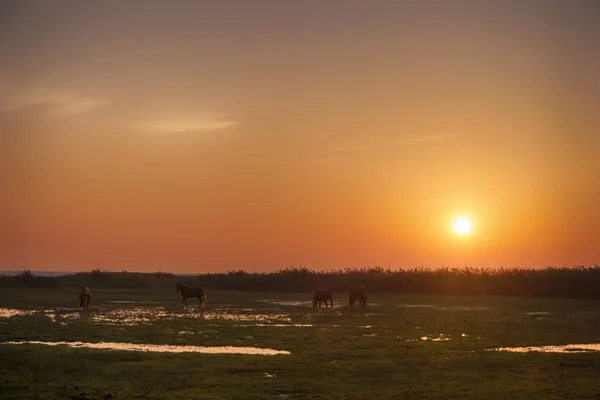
(208, 136)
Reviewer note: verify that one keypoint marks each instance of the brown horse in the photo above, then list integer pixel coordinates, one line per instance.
(187, 291)
(321, 295)
(360, 294)
(85, 295)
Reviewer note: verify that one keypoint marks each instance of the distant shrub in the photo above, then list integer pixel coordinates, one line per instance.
(576, 282)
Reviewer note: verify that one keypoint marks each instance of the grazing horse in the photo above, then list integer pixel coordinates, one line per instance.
(359, 294)
(85, 295)
(187, 291)
(322, 295)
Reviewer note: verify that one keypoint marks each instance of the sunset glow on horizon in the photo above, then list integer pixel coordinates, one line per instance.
(205, 136)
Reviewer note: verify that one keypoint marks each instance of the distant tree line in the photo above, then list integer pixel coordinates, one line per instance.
(576, 282)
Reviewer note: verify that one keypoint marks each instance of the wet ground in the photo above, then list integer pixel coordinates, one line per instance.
(273, 313)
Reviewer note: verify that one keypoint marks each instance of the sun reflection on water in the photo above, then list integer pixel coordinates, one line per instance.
(160, 348)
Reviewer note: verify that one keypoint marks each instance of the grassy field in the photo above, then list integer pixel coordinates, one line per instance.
(385, 353)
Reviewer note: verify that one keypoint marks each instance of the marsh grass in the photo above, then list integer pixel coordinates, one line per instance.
(374, 355)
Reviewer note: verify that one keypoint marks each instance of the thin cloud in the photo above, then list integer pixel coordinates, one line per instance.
(425, 138)
(57, 100)
(174, 123)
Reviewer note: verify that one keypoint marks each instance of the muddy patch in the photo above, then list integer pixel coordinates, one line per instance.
(159, 348)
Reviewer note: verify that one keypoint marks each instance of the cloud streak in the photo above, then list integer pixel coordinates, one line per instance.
(166, 124)
(57, 100)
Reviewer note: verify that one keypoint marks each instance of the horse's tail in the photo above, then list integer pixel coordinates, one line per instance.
(203, 300)
(331, 299)
(350, 299)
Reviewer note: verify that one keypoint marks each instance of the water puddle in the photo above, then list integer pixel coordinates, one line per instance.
(132, 316)
(464, 308)
(288, 302)
(436, 338)
(568, 348)
(276, 325)
(159, 348)
(13, 312)
(418, 305)
(268, 319)
(446, 308)
(142, 302)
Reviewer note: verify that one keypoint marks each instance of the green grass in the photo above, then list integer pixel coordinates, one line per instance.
(339, 357)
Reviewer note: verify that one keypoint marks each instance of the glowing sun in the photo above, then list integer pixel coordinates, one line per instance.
(462, 225)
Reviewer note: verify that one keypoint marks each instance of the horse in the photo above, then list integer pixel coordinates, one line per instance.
(85, 295)
(321, 295)
(359, 294)
(187, 291)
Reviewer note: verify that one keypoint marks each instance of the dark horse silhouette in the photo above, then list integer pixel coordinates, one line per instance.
(187, 291)
(85, 295)
(360, 294)
(322, 295)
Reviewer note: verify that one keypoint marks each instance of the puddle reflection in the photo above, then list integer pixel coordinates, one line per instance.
(246, 317)
(158, 348)
(446, 308)
(288, 302)
(569, 348)
(13, 312)
(438, 338)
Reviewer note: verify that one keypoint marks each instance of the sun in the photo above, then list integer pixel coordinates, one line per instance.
(462, 225)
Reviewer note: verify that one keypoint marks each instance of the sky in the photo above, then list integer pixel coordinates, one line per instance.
(204, 136)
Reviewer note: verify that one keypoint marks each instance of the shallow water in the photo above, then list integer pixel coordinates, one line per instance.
(13, 312)
(418, 305)
(437, 338)
(264, 318)
(569, 348)
(288, 302)
(276, 325)
(159, 348)
(142, 302)
(446, 308)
